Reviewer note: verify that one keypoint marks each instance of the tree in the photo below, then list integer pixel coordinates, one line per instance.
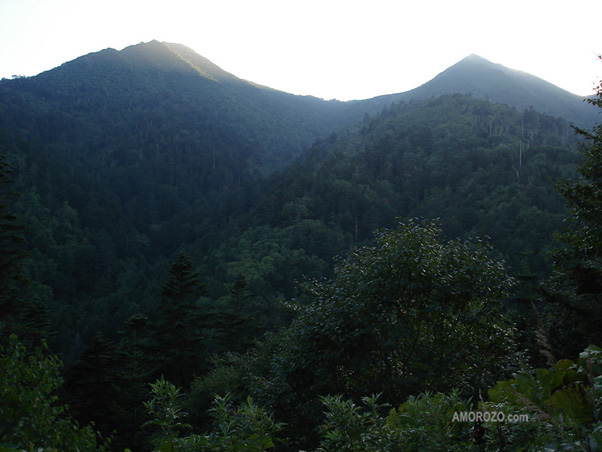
(423, 423)
(410, 314)
(30, 416)
(563, 405)
(132, 388)
(247, 427)
(19, 312)
(91, 385)
(166, 414)
(576, 287)
(538, 409)
(238, 289)
(177, 346)
(183, 286)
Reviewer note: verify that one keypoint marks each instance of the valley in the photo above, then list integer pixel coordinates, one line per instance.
(174, 214)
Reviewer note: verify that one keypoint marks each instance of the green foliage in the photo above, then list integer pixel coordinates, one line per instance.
(350, 428)
(563, 403)
(426, 422)
(539, 409)
(575, 290)
(20, 311)
(166, 415)
(113, 188)
(108, 384)
(176, 333)
(183, 285)
(483, 169)
(132, 387)
(245, 428)
(92, 386)
(118, 170)
(30, 417)
(412, 313)
(423, 423)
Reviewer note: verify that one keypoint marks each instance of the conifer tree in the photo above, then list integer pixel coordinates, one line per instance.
(133, 385)
(91, 385)
(177, 329)
(183, 286)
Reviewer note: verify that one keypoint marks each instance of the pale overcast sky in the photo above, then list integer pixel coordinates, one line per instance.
(327, 48)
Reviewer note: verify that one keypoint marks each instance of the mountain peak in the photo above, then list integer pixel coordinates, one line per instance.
(474, 57)
(158, 57)
(475, 62)
(171, 56)
(483, 79)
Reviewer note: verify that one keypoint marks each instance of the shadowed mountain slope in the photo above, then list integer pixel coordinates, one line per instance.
(125, 157)
(151, 83)
(486, 80)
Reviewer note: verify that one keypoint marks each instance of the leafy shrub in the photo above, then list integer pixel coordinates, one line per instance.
(246, 428)
(30, 417)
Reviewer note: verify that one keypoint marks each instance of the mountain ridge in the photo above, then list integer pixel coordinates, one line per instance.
(472, 75)
(170, 84)
(126, 157)
(481, 78)
(137, 82)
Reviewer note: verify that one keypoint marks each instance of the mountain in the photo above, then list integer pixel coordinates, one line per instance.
(132, 86)
(483, 79)
(155, 83)
(125, 157)
(480, 169)
(130, 162)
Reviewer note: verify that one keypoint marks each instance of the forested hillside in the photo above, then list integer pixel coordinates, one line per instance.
(164, 222)
(124, 157)
(482, 169)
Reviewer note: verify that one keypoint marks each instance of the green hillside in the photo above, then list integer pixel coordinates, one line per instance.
(124, 158)
(482, 169)
(181, 225)
(120, 98)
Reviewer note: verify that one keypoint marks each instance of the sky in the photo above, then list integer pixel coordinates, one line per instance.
(326, 48)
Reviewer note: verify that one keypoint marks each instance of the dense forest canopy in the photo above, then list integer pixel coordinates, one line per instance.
(190, 242)
(106, 233)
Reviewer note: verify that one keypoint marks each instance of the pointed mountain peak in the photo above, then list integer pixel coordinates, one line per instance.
(483, 79)
(475, 62)
(171, 56)
(475, 57)
(158, 57)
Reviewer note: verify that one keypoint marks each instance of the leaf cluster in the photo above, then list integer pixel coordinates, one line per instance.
(31, 419)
